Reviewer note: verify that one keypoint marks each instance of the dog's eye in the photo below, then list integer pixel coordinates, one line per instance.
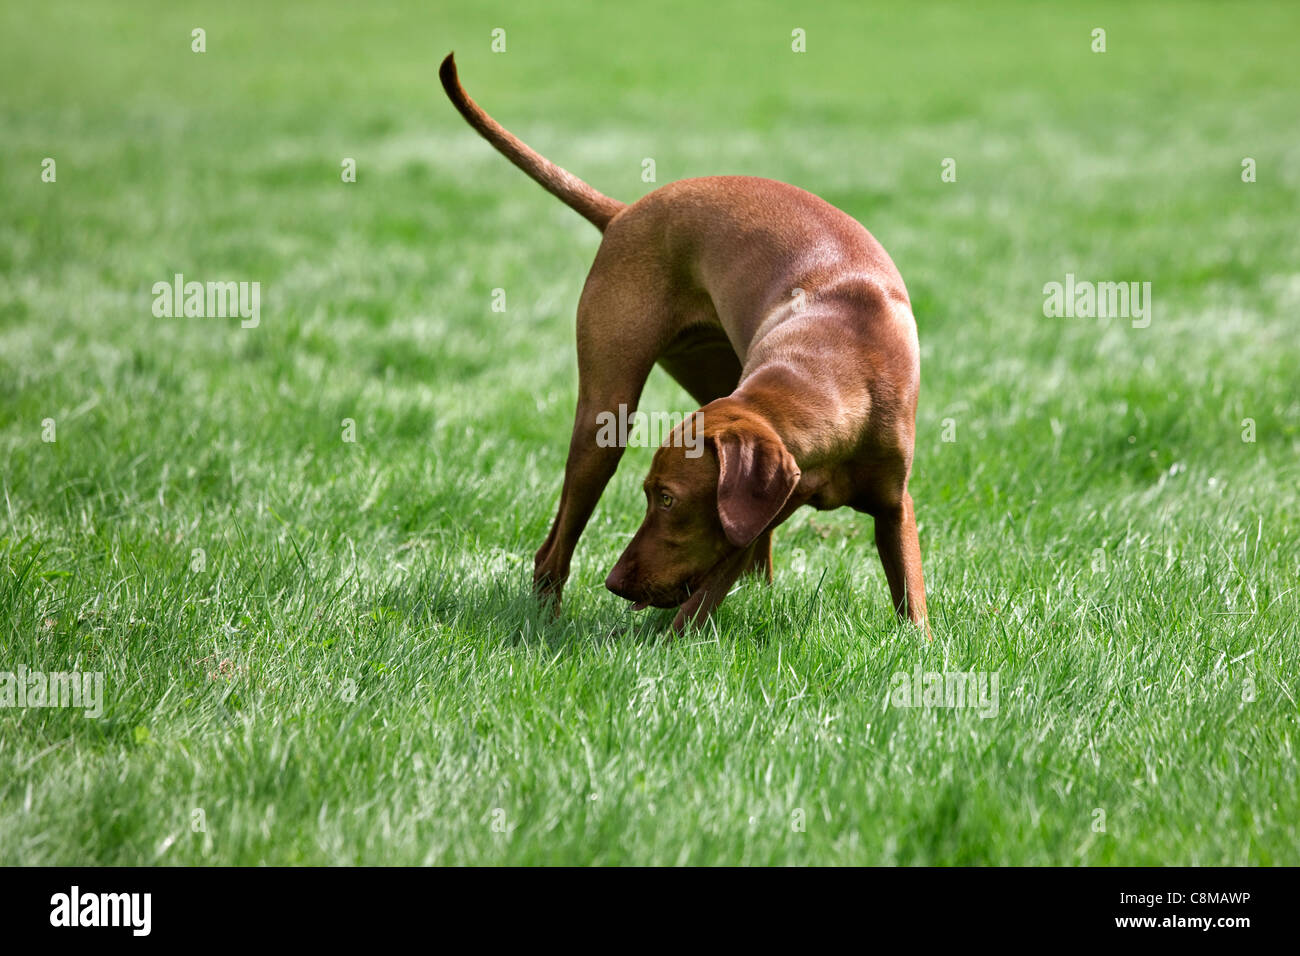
(665, 501)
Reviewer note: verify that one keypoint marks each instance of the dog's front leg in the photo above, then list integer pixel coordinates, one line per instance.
(900, 553)
(759, 562)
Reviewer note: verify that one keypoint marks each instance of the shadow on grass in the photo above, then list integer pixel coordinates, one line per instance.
(505, 610)
(502, 609)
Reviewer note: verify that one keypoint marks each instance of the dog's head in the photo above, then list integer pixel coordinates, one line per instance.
(703, 511)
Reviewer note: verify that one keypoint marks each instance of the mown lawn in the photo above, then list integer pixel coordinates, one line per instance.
(326, 651)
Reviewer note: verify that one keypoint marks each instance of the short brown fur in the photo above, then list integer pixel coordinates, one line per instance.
(788, 322)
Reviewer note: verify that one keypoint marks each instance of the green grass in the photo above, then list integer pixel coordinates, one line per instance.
(359, 674)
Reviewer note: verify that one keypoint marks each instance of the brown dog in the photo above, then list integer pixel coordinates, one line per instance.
(790, 325)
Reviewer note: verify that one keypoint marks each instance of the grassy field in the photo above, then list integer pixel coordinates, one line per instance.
(325, 651)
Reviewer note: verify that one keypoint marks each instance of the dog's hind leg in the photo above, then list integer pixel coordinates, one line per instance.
(591, 464)
(619, 336)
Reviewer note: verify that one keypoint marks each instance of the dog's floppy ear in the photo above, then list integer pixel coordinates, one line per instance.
(756, 476)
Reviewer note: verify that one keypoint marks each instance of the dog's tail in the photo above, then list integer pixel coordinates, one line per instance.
(595, 207)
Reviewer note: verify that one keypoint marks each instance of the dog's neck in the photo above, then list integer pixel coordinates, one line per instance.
(809, 425)
(808, 413)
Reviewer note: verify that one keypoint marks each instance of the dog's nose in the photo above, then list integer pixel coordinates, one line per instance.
(619, 581)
